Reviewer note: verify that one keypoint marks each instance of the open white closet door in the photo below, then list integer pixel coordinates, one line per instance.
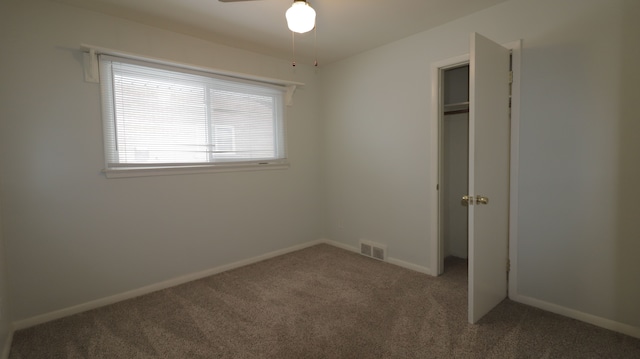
(488, 196)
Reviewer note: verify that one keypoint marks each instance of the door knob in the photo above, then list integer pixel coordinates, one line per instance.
(466, 200)
(482, 199)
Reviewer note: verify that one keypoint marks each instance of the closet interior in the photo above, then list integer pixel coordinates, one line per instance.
(454, 164)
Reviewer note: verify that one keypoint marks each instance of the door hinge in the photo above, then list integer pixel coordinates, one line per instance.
(510, 77)
(508, 265)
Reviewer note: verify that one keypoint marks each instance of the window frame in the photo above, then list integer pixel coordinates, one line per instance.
(124, 170)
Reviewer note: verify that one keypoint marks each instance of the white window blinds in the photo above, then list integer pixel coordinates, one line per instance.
(160, 116)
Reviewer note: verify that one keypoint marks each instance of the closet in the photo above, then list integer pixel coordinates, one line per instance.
(454, 163)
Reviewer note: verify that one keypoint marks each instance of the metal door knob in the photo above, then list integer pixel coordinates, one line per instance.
(482, 199)
(466, 200)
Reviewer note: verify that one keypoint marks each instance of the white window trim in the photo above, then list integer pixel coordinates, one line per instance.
(125, 172)
(91, 69)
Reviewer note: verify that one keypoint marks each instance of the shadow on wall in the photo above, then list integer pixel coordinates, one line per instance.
(627, 273)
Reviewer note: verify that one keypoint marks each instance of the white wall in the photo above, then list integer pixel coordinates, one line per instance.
(74, 236)
(579, 145)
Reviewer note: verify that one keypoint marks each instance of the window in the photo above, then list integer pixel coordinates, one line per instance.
(158, 116)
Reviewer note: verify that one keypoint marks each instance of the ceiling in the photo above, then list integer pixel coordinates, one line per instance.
(344, 27)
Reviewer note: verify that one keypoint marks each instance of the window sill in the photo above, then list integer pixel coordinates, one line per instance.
(126, 172)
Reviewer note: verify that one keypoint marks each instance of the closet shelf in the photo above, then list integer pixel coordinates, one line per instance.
(457, 107)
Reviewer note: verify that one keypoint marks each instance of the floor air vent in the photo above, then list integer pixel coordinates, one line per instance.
(365, 249)
(373, 250)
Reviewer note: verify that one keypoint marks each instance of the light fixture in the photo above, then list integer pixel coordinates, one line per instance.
(301, 17)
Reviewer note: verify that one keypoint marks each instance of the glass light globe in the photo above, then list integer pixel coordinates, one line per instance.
(301, 17)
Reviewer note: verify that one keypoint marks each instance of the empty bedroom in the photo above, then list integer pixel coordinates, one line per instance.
(220, 179)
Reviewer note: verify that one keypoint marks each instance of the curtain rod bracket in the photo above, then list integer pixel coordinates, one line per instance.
(288, 96)
(91, 66)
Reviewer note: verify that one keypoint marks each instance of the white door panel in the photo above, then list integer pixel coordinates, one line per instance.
(489, 138)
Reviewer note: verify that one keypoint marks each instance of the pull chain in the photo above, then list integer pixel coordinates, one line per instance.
(293, 47)
(315, 45)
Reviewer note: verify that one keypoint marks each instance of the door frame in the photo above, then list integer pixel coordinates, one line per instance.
(436, 245)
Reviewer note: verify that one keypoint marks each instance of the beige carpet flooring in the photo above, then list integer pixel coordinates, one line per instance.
(320, 302)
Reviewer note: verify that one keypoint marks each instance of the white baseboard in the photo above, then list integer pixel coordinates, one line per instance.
(394, 261)
(47, 317)
(340, 245)
(6, 348)
(411, 266)
(581, 316)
